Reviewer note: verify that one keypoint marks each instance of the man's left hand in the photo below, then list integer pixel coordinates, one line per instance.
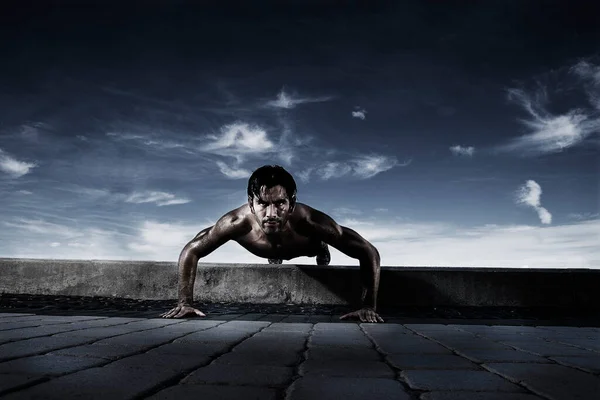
(365, 315)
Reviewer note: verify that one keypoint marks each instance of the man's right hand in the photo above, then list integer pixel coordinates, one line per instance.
(181, 311)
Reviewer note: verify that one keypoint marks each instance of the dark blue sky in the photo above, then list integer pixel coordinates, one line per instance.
(447, 133)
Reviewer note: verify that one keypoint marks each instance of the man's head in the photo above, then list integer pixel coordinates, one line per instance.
(271, 196)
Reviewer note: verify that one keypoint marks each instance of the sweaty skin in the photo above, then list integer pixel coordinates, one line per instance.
(296, 230)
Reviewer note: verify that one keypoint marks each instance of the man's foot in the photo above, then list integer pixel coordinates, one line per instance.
(324, 257)
(275, 261)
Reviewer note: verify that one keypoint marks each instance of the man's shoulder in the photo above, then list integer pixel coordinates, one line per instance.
(236, 222)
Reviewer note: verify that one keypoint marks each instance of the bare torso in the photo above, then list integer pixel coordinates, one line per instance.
(293, 241)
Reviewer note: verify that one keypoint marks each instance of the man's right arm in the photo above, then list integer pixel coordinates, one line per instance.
(228, 227)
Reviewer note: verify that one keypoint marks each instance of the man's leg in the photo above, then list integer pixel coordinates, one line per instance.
(323, 257)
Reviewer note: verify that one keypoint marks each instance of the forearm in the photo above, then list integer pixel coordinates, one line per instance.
(188, 264)
(369, 276)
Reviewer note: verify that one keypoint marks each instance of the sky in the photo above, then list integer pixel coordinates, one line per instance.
(461, 134)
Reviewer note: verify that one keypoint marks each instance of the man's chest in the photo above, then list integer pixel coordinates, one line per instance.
(288, 245)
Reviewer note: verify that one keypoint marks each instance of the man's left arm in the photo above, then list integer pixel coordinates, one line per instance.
(353, 245)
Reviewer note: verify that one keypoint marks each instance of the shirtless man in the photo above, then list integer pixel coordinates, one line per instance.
(274, 226)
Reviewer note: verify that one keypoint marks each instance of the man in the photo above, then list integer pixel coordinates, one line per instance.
(274, 226)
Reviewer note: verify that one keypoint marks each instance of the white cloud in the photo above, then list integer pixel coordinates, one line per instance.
(551, 132)
(54, 244)
(142, 139)
(400, 244)
(25, 192)
(232, 173)
(160, 198)
(239, 139)
(14, 167)
(371, 165)
(361, 113)
(530, 194)
(583, 216)
(38, 226)
(287, 101)
(462, 151)
(333, 170)
(304, 175)
(346, 211)
(590, 75)
(362, 167)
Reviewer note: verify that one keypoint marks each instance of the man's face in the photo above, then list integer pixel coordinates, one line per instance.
(273, 205)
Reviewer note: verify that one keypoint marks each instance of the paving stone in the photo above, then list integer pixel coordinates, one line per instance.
(48, 365)
(18, 325)
(192, 349)
(103, 351)
(27, 333)
(246, 326)
(323, 318)
(589, 364)
(343, 340)
(288, 327)
(192, 326)
(458, 380)
(251, 317)
(409, 344)
(430, 327)
(549, 349)
(346, 368)
(220, 392)
(258, 375)
(98, 383)
(101, 332)
(550, 380)
(5, 315)
(15, 381)
(337, 327)
(151, 360)
(481, 344)
(35, 346)
(312, 387)
(477, 396)
(274, 317)
(96, 323)
(485, 355)
(217, 334)
(275, 357)
(255, 344)
(149, 338)
(588, 344)
(385, 328)
(322, 353)
(430, 361)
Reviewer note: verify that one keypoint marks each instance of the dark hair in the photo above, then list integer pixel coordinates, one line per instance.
(269, 176)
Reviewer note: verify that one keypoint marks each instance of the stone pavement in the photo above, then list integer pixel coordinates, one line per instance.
(296, 357)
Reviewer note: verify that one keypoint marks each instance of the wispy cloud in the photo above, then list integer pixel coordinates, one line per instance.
(239, 139)
(14, 167)
(233, 173)
(590, 75)
(361, 167)
(550, 132)
(304, 175)
(142, 139)
(360, 113)
(583, 216)
(25, 192)
(341, 211)
(462, 151)
(288, 101)
(530, 194)
(159, 198)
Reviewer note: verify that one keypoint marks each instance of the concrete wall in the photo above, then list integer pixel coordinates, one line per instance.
(289, 283)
